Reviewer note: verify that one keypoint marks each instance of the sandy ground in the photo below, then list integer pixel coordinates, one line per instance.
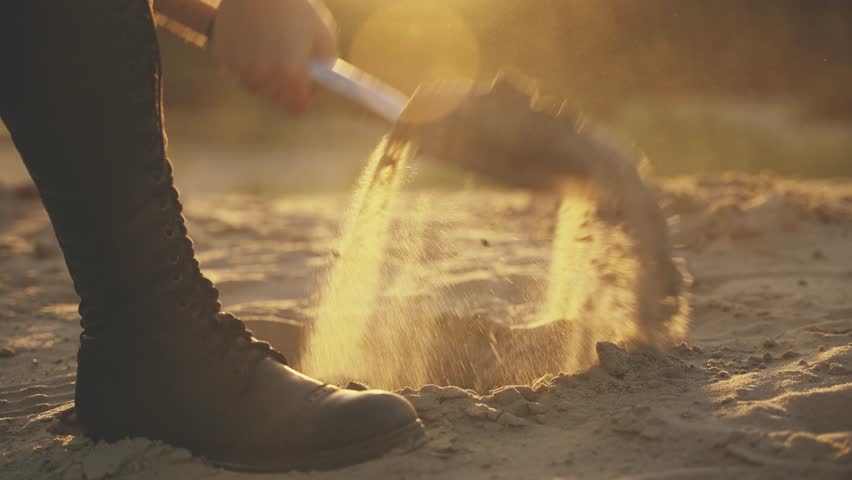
(762, 388)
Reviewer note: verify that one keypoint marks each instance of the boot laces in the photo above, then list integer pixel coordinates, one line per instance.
(233, 331)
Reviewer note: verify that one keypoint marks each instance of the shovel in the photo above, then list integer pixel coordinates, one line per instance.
(507, 132)
(504, 131)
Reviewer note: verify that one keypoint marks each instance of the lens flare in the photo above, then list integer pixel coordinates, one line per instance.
(411, 43)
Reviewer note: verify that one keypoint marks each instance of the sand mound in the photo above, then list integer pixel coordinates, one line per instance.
(757, 391)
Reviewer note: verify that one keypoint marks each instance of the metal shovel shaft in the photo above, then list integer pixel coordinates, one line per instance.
(354, 84)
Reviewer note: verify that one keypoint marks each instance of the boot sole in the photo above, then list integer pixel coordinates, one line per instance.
(401, 440)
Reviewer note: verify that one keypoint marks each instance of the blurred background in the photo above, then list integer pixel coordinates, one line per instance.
(742, 85)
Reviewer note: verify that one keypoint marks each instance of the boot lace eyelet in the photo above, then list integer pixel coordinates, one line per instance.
(157, 178)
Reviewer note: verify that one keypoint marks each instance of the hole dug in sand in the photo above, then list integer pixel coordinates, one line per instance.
(395, 313)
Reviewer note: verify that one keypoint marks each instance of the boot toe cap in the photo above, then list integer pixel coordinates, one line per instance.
(347, 428)
(355, 417)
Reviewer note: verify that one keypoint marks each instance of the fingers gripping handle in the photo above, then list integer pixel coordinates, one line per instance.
(354, 84)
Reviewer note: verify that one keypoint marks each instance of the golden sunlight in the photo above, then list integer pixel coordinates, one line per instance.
(410, 43)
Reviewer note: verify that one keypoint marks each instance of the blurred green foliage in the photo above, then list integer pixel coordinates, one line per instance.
(699, 85)
(601, 52)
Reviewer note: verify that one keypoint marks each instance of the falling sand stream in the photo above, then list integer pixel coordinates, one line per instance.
(611, 278)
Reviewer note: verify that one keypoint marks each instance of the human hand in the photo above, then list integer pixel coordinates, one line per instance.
(269, 44)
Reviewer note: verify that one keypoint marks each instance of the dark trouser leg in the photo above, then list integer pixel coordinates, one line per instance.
(80, 93)
(81, 97)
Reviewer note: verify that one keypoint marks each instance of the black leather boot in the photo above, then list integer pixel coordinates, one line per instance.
(158, 359)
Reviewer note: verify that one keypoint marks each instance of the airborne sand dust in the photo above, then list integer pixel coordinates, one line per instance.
(610, 278)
